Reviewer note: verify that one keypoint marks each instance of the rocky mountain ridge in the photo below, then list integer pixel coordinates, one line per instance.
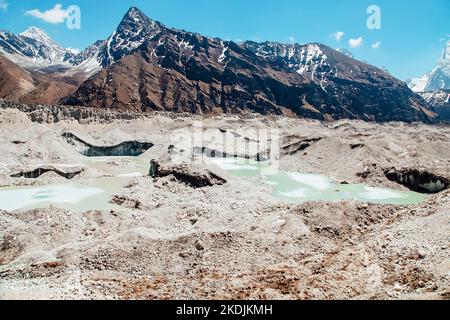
(182, 71)
(145, 66)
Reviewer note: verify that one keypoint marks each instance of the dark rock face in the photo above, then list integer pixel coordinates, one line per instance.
(418, 180)
(179, 71)
(193, 176)
(36, 173)
(124, 149)
(211, 153)
(298, 146)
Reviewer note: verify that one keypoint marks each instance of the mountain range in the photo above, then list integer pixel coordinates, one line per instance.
(145, 66)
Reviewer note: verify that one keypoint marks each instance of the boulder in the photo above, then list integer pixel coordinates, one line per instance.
(191, 174)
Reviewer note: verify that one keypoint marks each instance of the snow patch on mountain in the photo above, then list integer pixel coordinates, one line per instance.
(224, 51)
(311, 58)
(436, 98)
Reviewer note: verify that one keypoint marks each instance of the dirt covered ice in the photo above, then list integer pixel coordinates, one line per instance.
(166, 237)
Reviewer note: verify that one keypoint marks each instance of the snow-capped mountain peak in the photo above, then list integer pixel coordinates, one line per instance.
(134, 29)
(438, 78)
(34, 49)
(131, 33)
(135, 16)
(38, 35)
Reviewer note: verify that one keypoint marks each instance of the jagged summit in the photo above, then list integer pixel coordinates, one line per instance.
(134, 12)
(135, 19)
(133, 30)
(131, 33)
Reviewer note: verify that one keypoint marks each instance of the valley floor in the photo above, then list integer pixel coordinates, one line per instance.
(170, 237)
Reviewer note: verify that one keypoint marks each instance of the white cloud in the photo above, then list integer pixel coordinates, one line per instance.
(337, 35)
(3, 5)
(74, 50)
(56, 15)
(291, 39)
(376, 45)
(355, 43)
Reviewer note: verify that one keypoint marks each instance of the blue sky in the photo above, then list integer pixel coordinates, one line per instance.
(411, 38)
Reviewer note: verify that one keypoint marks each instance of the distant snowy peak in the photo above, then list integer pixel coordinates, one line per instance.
(39, 35)
(438, 78)
(34, 49)
(418, 84)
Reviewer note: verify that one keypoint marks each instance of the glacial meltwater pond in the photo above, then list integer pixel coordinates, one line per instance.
(78, 195)
(299, 187)
(73, 196)
(96, 193)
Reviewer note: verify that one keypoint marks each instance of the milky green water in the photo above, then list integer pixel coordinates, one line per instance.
(96, 193)
(299, 187)
(82, 195)
(91, 195)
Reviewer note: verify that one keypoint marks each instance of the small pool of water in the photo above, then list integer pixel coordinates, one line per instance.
(299, 187)
(89, 195)
(79, 195)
